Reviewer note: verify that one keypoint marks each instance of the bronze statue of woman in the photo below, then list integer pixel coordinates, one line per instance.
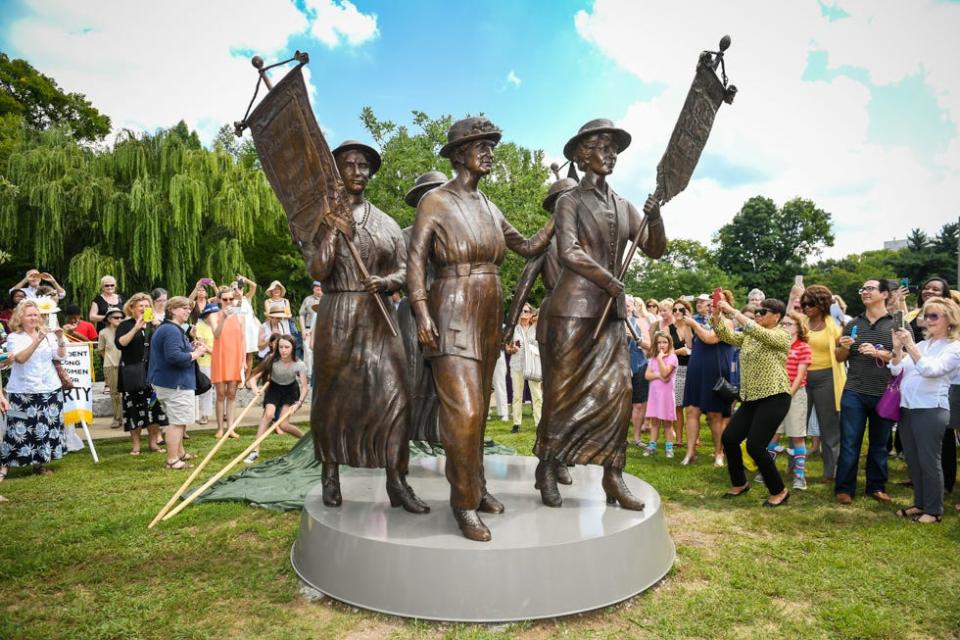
(586, 386)
(361, 412)
(464, 235)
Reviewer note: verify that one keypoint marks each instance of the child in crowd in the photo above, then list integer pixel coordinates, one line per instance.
(107, 347)
(288, 387)
(795, 423)
(661, 407)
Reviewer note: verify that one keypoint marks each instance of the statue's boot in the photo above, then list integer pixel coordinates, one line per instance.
(402, 495)
(547, 483)
(471, 525)
(617, 491)
(563, 474)
(489, 504)
(331, 484)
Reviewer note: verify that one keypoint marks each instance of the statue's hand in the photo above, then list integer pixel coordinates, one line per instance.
(427, 332)
(615, 288)
(651, 207)
(375, 284)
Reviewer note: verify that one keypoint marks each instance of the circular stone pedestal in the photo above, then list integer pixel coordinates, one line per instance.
(542, 562)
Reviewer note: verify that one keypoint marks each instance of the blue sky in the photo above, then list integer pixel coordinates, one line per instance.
(853, 104)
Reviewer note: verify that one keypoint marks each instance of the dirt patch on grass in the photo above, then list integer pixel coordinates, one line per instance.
(793, 608)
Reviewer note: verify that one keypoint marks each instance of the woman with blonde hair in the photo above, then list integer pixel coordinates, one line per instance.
(927, 369)
(108, 298)
(140, 406)
(34, 434)
(227, 362)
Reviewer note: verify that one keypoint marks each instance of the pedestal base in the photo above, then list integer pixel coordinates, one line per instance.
(543, 562)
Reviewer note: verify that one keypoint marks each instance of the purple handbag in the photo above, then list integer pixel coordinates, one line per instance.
(889, 404)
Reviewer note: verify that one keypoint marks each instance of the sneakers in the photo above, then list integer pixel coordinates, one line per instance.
(516, 429)
(250, 459)
(650, 450)
(669, 450)
(800, 483)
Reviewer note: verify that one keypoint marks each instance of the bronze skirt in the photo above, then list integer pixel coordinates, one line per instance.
(586, 393)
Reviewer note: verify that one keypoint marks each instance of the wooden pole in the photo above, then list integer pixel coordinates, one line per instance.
(206, 485)
(207, 459)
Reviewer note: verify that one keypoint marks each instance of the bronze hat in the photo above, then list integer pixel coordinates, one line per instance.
(373, 156)
(424, 182)
(557, 189)
(476, 128)
(600, 125)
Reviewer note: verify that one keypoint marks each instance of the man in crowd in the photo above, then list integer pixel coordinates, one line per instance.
(33, 280)
(307, 318)
(866, 346)
(81, 331)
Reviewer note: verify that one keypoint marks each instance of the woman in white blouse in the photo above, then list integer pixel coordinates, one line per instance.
(927, 370)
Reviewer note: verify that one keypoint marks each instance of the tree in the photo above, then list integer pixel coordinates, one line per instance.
(36, 98)
(845, 276)
(686, 268)
(765, 247)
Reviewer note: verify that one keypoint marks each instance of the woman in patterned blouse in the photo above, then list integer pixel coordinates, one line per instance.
(765, 391)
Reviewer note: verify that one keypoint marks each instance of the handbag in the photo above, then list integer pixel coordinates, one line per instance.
(727, 391)
(889, 404)
(203, 381)
(133, 377)
(66, 382)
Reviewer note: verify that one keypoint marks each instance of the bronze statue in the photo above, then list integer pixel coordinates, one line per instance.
(424, 404)
(464, 235)
(586, 409)
(548, 267)
(361, 412)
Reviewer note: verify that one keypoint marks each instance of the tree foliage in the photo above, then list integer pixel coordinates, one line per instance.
(36, 98)
(686, 268)
(765, 246)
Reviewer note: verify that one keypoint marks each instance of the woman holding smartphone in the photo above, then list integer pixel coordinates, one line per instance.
(227, 361)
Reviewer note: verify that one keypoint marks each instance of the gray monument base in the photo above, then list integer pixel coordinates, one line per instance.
(542, 562)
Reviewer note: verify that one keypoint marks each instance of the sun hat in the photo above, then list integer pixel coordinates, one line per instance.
(211, 307)
(277, 309)
(467, 130)
(424, 182)
(600, 125)
(557, 189)
(277, 284)
(373, 157)
(113, 311)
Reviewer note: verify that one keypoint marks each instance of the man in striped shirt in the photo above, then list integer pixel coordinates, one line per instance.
(867, 346)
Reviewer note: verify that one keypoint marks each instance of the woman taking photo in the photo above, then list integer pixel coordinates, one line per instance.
(925, 411)
(108, 298)
(140, 406)
(288, 387)
(172, 374)
(226, 366)
(765, 390)
(34, 433)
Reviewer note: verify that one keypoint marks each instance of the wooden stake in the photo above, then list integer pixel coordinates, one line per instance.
(216, 447)
(256, 443)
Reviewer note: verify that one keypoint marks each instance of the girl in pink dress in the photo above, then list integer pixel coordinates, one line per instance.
(661, 407)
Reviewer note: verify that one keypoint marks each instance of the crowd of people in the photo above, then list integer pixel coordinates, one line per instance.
(770, 379)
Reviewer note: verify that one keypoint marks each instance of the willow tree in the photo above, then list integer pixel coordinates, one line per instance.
(155, 210)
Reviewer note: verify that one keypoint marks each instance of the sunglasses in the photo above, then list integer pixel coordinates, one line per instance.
(680, 310)
(109, 286)
(931, 317)
(866, 289)
(762, 312)
(808, 304)
(230, 299)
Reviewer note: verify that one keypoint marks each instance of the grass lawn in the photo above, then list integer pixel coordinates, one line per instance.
(77, 562)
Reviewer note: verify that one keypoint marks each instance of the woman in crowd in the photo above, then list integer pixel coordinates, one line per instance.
(288, 387)
(661, 373)
(795, 424)
(765, 390)
(671, 314)
(276, 292)
(277, 323)
(140, 406)
(204, 334)
(226, 366)
(652, 312)
(826, 376)
(927, 369)
(172, 374)
(108, 298)
(709, 360)
(199, 298)
(34, 434)
(107, 346)
(525, 367)
(640, 386)
(16, 295)
(159, 298)
(244, 289)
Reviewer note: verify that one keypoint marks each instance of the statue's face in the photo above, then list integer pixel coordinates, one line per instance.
(354, 170)
(603, 157)
(478, 156)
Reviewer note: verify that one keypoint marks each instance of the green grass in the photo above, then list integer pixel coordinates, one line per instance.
(77, 562)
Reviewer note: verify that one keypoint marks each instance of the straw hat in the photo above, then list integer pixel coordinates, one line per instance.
(424, 182)
(600, 125)
(557, 189)
(277, 284)
(373, 157)
(113, 311)
(277, 309)
(467, 130)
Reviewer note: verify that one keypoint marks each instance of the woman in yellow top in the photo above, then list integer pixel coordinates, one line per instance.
(204, 333)
(764, 389)
(826, 375)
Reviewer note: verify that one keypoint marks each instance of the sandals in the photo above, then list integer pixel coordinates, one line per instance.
(134, 453)
(909, 512)
(157, 450)
(935, 520)
(187, 456)
(178, 464)
(730, 494)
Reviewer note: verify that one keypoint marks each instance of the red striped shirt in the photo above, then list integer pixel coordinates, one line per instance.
(800, 353)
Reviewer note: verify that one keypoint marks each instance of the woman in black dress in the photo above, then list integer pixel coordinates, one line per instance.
(141, 409)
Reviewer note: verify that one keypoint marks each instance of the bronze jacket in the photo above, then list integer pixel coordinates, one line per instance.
(593, 228)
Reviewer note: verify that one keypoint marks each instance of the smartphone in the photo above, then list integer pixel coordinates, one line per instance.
(239, 284)
(798, 280)
(148, 314)
(717, 296)
(206, 282)
(904, 282)
(853, 332)
(898, 318)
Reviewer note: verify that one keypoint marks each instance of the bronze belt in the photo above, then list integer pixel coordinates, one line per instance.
(467, 269)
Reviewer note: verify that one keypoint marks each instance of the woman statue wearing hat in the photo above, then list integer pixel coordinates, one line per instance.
(587, 388)
(464, 236)
(424, 405)
(361, 413)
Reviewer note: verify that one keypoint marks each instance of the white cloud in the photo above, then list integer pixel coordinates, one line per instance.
(148, 65)
(513, 78)
(336, 21)
(808, 138)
